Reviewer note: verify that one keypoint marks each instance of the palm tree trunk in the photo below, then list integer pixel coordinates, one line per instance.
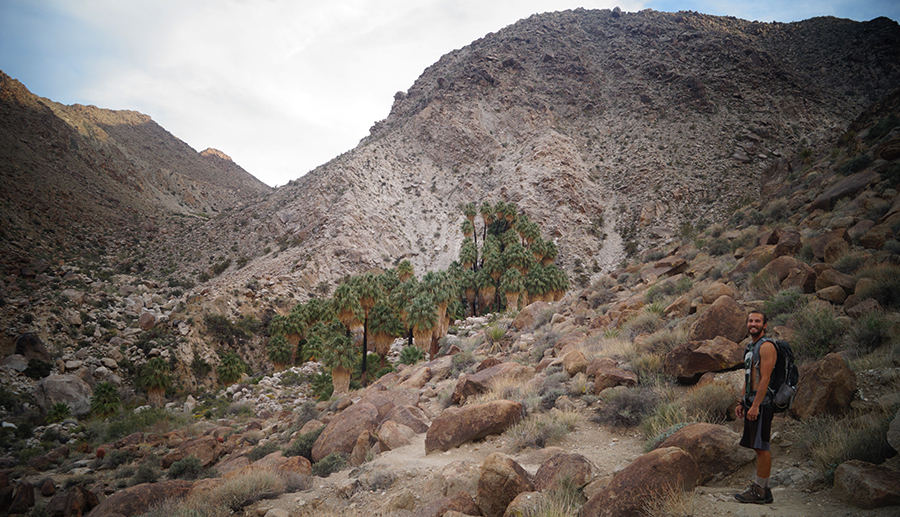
(340, 379)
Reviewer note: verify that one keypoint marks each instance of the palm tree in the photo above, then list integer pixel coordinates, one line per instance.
(404, 270)
(279, 351)
(469, 211)
(230, 369)
(550, 252)
(510, 211)
(443, 288)
(466, 282)
(340, 358)
(370, 292)
(468, 253)
(486, 289)
(155, 379)
(487, 215)
(558, 282)
(516, 256)
(345, 304)
(384, 327)
(422, 316)
(105, 400)
(467, 228)
(536, 283)
(512, 283)
(401, 299)
(537, 248)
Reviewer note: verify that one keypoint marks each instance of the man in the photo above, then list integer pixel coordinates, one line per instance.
(757, 409)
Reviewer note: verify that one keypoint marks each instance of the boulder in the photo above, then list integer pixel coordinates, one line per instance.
(574, 469)
(364, 443)
(818, 244)
(789, 243)
(830, 277)
(714, 449)
(691, 360)
(527, 503)
(725, 317)
(342, 431)
(715, 290)
(835, 250)
(22, 499)
(574, 362)
(865, 485)
(456, 426)
(778, 269)
(834, 294)
(803, 277)
(393, 435)
(417, 380)
(73, 503)
(278, 462)
(893, 434)
(502, 479)
(529, 315)
(481, 382)
(826, 387)
(570, 341)
(843, 188)
(651, 475)
(877, 236)
(861, 308)
(459, 502)
(70, 389)
(611, 377)
(598, 363)
(664, 267)
(139, 498)
(30, 346)
(752, 262)
(146, 320)
(206, 448)
(385, 400)
(460, 476)
(410, 416)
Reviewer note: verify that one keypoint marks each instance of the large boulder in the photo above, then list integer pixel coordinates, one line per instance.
(410, 416)
(714, 449)
(205, 448)
(76, 501)
(610, 377)
(502, 479)
(789, 243)
(70, 389)
(385, 400)
(826, 387)
(802, 277)
(866, 485)
(846, 187)
(725, 317)
(481, 382)
(752, 262)
(393, 435)
(30, 346)
(139, 498)
(574, 469)
(529, 315)
(459, 502)
(460, 476)
(342, 431)
(278, 462)
(877, 236)
(651, 475)
(688, 362)
(777, 270)
(664, 267)
(456, 426)
(832, 277)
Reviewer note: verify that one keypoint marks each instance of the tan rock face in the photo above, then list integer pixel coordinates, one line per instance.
(724, 317)
(502, 479)
(574, 468)
(341, 433)
(827, 387)
(713, 449)
(695, 358)
(456, 426)
(653, 473)
(865, 485)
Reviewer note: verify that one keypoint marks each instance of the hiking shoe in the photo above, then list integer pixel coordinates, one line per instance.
(754, 494)
(767, 497)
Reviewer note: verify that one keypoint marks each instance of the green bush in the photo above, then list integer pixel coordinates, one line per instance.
(334, 462)
(302, 445)
(105, 400)
(856, 164)
(59, 412)
(146, 473)
(849, 263)
(186, 468)
(262, 451)
(37, 369)
(411, 355)
(869, 332)
(782, 304)
(718, 246)
(817, 332)
(886, 286)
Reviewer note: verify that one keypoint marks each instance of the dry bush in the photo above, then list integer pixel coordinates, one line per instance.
(671, 502)
(710, 402)
(540, 429)
(579, 385)
(240, 491)
(626, 407)
(616, 348)
(886, 286)
(664, 341)
(833, 441)
(506, 388)
(646, 322)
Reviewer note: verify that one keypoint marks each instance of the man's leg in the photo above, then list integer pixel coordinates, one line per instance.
(763, 463)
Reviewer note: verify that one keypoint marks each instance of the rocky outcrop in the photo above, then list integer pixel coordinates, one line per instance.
(713, 448)
(341, 433)
(502, 479)
(688, 362)
(725, 317)
(481, 382)
(138, 499)
(456, 426)
(826, 387)
(68, 389)
(866, 485)
(654, 473)
(573, 469)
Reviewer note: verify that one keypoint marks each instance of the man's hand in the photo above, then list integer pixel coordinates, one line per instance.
(753, 412)
(739, 411)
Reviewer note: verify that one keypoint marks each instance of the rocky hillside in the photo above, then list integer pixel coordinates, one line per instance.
(615, 132)
(86, 178)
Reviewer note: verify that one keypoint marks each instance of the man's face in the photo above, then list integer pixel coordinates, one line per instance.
(755, 324)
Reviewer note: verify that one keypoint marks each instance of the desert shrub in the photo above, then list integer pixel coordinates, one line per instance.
(817, 332)
(878, 209)
(186, 468)
(782, 304)
(885, 289)
(657, 439)
(834, 441)
(540, 429)
(240, 491)
(116, 458)
(154, 420)
(626, 408)
(869, 332)
(648, 367)
(303, 444)
(411, 355)
(892, 246)
(664, 341)
(849, 263)
(305, 413)
(666, 414)
(718, 246)
(579, 385)
(883, 127)
(661, 290)
(709, 403)
(777, 210)
(334, 462)
(563, 499)
(461, 362)
(262, 451)
(549, 392)
(644, 323)
(105, 399)
(224, 330)
(509, 389)
(146, 472)
(543, 340)
(668, 501)
(856, 164)
(37, 369)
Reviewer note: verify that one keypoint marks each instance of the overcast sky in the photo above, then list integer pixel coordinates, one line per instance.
(283, 86)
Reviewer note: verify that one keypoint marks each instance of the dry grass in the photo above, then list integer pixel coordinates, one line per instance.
(671, 502)
(507, 388)
(709, 403)
(240, 491)
(541, 429)
(616, 348)
(834, 441)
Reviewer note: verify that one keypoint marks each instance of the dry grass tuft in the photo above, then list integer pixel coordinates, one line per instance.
(671, 502)
(540, 429)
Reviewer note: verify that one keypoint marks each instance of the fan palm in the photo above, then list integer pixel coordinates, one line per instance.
(279, 351)
(155, 379)
(512, 283)
(384, 326)
(422, 316)
(340, 358)
(468, 253)
(404, 270)
(230, 369)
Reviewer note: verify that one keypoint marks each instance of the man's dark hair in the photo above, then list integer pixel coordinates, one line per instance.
(765, 318)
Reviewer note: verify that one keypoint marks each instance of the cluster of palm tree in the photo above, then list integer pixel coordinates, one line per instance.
(367, 312)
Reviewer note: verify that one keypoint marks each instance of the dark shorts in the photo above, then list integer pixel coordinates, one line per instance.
(757, 432)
